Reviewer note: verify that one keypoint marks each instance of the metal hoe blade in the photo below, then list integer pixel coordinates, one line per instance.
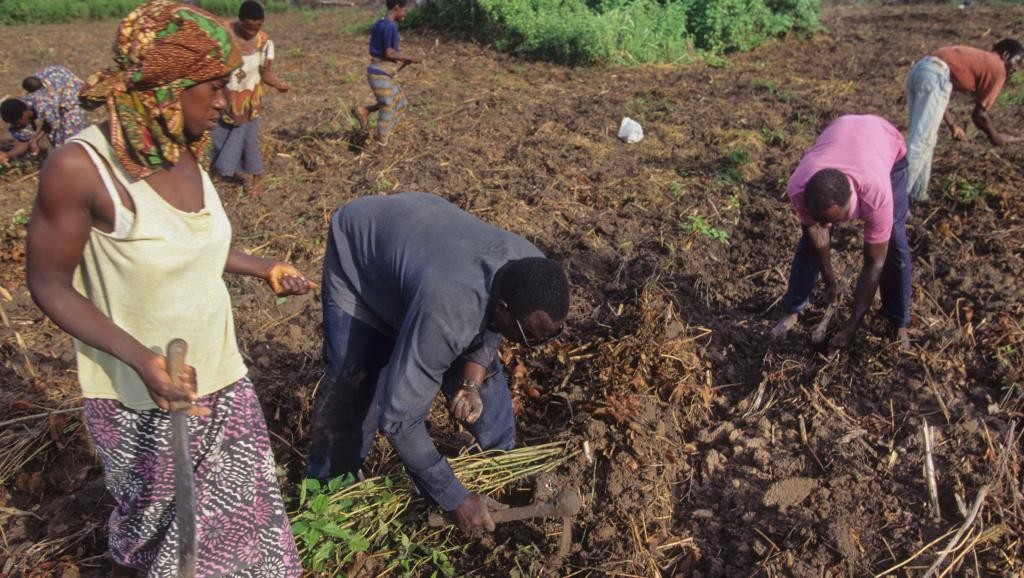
(184, 495)
(184, 477)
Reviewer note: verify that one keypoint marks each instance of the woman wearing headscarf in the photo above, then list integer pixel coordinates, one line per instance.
(127, 248)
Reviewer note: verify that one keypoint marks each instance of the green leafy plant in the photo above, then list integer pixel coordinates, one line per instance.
(774, 90)
(18, 221)
(738, 157)
(1007, 355)
(18, 164)
(728, 25)
(320, 528)
(637, 106)
(965, 194)
(675, 188)
(1013, 94)
(729, 170)
(774, 137)
(337, 521)
(698, 225)
(619, 31)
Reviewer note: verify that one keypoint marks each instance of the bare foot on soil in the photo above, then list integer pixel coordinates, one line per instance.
(902, 339)
(256, 188)
(784, 325)
(363, 116)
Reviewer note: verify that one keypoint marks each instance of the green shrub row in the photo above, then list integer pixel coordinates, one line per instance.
(47, 11)
(620, 31)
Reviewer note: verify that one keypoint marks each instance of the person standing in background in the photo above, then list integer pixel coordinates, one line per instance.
(236, 139)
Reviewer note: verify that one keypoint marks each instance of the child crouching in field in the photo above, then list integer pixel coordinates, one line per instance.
(385, 62)
(236, 139)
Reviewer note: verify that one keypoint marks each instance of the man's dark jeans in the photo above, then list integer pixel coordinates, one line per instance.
(896, 271)
(347, 408)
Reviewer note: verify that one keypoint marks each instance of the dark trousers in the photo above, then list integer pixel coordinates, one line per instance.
(896, 271)
(347, 407)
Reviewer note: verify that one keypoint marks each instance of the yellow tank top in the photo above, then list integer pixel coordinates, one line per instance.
(163, 279)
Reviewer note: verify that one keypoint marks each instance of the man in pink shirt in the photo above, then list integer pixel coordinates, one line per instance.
(857, 169)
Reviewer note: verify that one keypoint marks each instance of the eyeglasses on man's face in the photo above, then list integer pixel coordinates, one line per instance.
(535, 341)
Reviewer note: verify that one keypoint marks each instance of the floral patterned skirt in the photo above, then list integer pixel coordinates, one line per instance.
(240, 519)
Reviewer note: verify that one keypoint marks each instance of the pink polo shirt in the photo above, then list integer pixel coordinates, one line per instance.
(864, 148)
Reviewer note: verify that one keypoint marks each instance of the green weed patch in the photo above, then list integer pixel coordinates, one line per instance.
(964, 194)
(620, 31)
(697, 225)
(380, 518)
(50, 11)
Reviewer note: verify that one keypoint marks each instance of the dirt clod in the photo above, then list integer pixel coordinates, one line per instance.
(788, 492)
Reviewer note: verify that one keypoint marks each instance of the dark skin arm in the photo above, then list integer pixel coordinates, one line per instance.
(282, 277)
(984, 123)
(20, 148)
(71, 201)
(33, 145)
(270, 79)
(475, 512)
(65, 210)
(396, 56)
(466, 405)
(864, 294)
(958, 132)
(820, 238)
(475, 372)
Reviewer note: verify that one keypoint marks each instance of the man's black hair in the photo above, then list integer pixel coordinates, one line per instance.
(12, 109)
(393, 3)
(31, 84)
(251, 10)
(1009, 47)
(534, 284)
(827, 188)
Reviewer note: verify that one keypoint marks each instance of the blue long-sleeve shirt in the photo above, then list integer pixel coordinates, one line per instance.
(424, 268)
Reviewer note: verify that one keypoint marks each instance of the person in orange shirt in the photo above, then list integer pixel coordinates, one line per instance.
(982, 73)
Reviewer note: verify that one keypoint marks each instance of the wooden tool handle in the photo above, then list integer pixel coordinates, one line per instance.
(435, 520)
(542, 510)
(176, 351)
(821, 330)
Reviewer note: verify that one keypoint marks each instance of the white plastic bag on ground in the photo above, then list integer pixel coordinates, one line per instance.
(630, 131)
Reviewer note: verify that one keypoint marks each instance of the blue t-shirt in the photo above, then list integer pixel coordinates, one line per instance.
(383, 36)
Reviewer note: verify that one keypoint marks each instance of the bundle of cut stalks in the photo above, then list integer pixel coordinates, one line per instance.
(346, 526)
(21, 444)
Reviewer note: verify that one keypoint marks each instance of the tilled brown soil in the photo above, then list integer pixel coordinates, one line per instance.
(715, 452)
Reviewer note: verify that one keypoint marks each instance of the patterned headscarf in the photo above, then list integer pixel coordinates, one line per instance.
(162, 48)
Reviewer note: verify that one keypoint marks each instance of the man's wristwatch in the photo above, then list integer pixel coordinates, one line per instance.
(469, 384)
